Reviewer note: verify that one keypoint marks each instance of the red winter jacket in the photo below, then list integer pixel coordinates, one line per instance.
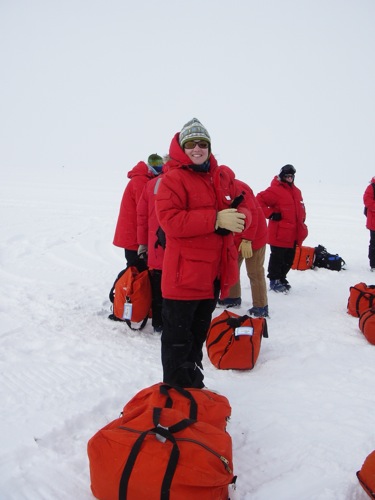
(148, 224)
(369, 201)
(286, 199)
(257, 230)
(187, 203)
(126, 228)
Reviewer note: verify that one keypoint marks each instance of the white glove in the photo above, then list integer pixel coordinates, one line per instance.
(246, 249)
(231, 219)
(142, 249)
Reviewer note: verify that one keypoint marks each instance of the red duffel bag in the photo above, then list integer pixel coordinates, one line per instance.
(366, 476)
(361, 297)
(233, 341)
(367, 324)
(160, 454)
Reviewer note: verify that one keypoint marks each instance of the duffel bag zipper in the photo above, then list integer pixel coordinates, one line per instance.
(223, 460)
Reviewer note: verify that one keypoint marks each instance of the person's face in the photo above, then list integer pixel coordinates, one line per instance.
(289, 178)
(197, 151)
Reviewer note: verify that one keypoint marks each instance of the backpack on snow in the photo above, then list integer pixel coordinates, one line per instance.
(328, 260)
(361, 298)
(366, 475)
(161, 452)
(131, 297)
(303, 258)
(233, 341)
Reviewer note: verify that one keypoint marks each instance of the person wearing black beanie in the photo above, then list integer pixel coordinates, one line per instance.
(283, 206)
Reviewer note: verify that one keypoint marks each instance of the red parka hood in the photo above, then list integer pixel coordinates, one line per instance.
(221, 176)
(178, 158)
(140, 169)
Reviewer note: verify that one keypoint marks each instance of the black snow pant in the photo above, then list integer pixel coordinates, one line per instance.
(280, 262)
(185, 327)
(157, 299)
(371, 249)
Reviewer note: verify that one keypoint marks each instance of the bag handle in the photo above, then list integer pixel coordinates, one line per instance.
(232, 322)
(165, 390)
(237, 322)
(167, 433)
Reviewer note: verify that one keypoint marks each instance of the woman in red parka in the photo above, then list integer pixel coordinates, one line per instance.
(369, 201)
(200, 261)
(283, 205)
(126, 228)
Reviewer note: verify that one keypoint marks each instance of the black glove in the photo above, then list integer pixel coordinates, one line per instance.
(275, 216)
(222, 231)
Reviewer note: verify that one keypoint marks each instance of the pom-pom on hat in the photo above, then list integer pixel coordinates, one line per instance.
(287, 169)
(155, 160)
(193, 130)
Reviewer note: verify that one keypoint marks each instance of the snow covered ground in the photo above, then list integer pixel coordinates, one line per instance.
(302, 420)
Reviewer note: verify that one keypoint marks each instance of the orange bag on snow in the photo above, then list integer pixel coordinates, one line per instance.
(366, 476)
(197, 404)
(160, 455)
(361, 297)
(233, 341)
(131, 296)
(303, 258)
(367, 324)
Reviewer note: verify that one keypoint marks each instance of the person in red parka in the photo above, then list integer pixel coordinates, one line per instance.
(369, 202)
(283, 205)
(251, 245)
(151, 242)
(193, 205)
(126, 228)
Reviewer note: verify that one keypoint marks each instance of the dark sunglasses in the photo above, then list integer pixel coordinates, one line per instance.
(288, 175)
(192, 144)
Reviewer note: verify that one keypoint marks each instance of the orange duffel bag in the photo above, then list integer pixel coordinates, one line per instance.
(131, 296)
(233, 341)
(198, 404)
(361, 297)
(160, 454)
(303, 258)
(367, 324)
(366, 476)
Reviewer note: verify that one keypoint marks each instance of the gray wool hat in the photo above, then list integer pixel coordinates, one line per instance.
(193, 130)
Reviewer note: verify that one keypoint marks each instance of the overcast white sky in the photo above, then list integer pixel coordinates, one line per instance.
(100, 85)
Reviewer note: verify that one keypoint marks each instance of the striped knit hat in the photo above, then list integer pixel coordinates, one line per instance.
(193, 130)
(155, 160)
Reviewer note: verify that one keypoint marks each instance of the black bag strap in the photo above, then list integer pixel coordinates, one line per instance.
(232, 322)
(128, 322)
(167, 433)
(142, 325)
(165, 390)
(112, 290)
(364, 294)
